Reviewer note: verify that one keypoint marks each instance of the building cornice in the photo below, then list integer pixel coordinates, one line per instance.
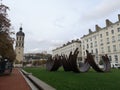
(68, 43)
(100, 29)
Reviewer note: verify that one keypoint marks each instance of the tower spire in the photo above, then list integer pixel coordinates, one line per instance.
(21, 27)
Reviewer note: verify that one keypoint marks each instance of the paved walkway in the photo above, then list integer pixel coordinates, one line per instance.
(15, 81)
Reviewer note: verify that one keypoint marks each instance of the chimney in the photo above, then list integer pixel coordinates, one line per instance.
(90, 31)
(108, 22)
(119, 17)
(97, 27)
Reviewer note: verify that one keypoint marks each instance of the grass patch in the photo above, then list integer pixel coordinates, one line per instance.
(90, 80)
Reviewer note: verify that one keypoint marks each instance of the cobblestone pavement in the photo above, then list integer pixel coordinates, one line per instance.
(15, 81)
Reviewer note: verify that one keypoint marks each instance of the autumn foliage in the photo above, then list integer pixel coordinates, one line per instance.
(6, 41)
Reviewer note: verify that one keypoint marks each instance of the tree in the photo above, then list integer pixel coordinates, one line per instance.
(6, 41)
(43, 61)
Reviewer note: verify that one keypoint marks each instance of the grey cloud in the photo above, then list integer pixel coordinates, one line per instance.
(105, 8)
(42, 45)
(48, 25)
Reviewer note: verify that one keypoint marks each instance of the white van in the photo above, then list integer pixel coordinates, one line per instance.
(115, 65)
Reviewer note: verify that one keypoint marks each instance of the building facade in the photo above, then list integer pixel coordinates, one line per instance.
(67, 48)
(19, 48)
(103, 41)
(36, 56)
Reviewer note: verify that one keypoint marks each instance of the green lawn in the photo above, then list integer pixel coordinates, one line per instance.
(90, 80)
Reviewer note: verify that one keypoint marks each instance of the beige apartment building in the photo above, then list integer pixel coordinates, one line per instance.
(103, 41)
(68, 47)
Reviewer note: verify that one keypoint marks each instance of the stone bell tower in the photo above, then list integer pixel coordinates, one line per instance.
(19, 48)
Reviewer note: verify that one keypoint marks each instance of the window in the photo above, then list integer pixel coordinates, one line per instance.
(95, 37)
(22, 44)
(95, 43)
(116, 58)
(114, 47)
(87, 46)
(96, 50)
(18, 44)
(113, 38)
(112, 31)
(84, 53)
(100, 35)
(119, 37)
(108, 48)
(101, 43)
(91, 39)
(20, 38)
(108, 41)
(17, 38)
(106, 33)
(91, 45)
(91, 51)
(87, 40)
(82, 41)
(110, 58)
(118, 29)
(97, 58)
(102, 49)
(83, 47)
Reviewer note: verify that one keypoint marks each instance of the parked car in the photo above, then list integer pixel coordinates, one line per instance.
(115, 65)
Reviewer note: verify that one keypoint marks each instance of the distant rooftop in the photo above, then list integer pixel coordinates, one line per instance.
(68, 43)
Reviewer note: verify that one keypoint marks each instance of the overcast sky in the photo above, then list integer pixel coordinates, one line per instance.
(48, 24)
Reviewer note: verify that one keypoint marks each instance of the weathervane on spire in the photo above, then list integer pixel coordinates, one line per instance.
(20, 26)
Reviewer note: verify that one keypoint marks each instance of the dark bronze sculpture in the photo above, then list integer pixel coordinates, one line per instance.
(92, 63)
(65, 63)
(84, 67)
(70, 63)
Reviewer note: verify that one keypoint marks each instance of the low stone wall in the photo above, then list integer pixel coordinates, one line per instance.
(37, 82)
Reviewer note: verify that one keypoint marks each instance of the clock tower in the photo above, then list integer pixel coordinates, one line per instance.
(19, 48)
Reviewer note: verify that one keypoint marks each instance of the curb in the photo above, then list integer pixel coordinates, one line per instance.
(31, 85)
(37, 82)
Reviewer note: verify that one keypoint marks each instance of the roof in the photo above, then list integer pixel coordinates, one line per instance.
(20, 33)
